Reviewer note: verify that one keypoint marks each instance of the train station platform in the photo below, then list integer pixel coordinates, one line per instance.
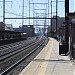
(49, 62)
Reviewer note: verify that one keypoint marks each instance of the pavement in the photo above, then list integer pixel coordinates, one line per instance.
(49, 62)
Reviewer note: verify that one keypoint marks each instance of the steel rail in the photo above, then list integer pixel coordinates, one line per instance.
(5, 56)
(13, 50)
(19, 61)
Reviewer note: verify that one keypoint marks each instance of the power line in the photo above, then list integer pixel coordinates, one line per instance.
(62, 10)
(12, 8)
(12, 13)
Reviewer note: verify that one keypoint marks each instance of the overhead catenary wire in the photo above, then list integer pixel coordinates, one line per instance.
(13, 13)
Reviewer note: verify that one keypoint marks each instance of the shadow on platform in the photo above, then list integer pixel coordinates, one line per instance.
(58, 61)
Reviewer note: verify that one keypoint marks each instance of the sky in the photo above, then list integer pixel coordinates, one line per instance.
(13, 8)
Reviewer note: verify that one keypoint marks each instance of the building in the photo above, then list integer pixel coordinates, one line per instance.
(29, 29)
(9, 27)
(60, 21)
(6, 27)
(2, 26)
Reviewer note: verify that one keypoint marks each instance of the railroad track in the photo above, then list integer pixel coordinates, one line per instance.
(11, 59)
(13, 50)
(15, 44)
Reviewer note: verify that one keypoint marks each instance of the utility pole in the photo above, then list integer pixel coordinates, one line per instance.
(29, 12)
(48, 11)
(44, 25)
(33, 12)
(56, 18)
(4, 11)
(51, 19)
(23, 14)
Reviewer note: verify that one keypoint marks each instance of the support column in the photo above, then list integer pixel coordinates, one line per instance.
(67, 23)
(4, 11)
(51, 17)
(56, 19)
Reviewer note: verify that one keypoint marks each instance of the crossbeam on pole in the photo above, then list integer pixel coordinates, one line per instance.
(29, 18)
(38, 3)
